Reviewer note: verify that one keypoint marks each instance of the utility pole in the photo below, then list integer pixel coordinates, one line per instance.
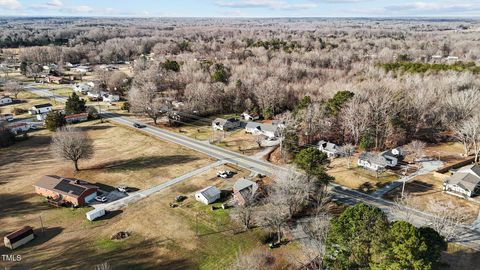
(404, 179)
(41, 223)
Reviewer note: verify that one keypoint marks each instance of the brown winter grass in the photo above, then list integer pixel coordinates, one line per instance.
(356, 177)
(426, 188)
(162, 237)
(238, 141)
(28, 100)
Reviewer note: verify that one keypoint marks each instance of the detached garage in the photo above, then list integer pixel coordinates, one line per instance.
(66, 190)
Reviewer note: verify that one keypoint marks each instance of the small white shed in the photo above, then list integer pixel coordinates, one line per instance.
(208, 195)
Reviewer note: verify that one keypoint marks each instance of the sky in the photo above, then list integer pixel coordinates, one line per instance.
(241, 8)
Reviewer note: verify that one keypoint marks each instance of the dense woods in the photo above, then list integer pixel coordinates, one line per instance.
(394, 82)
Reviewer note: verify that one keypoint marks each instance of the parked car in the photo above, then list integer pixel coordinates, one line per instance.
(180, 198)
(101, 199)
(224, 174)
(138, 125)
(123, 189)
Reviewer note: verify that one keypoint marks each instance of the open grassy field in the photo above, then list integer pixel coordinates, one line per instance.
(191, 236)
(239, 141)
(358, 178)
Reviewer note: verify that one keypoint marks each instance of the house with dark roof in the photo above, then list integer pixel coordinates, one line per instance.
(465, 181)
(243, 191)
(67, 190)
(19, 238)
(41, 108)
(331, 149)
(225, 124)
(208, 195)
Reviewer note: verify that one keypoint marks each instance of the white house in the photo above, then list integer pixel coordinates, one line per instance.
(268, 130)
(41, 108)
(6, 117)
(451, 58)
(465, 181)
(81, 69)
(111, 98)
(378, 162)
(225, 124)
(5, 100)
(82, 88)
(96, 94)
(19, 128)
(331, 149)
(208, 195)
(250, 116)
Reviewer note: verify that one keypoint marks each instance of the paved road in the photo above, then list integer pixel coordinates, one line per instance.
(214, 151)
(136, 196)
(469, 237)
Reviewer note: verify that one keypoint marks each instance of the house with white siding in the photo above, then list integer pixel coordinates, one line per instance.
(464, 182)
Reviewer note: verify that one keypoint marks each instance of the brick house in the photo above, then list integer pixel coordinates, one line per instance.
(67, 190)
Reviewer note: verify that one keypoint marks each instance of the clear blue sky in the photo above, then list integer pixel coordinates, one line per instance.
(241, 8)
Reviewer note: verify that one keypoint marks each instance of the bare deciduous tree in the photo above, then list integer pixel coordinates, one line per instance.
(416, 149)
(13, 88)
(72, 144)
(274, 216)
(145, 99)
(347, 151)
(447, 219)
(468, 131)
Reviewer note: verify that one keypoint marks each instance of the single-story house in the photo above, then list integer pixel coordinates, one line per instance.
(74, 191)
(243, 190)
(250, 116)
(372, 161)
(96, 94)
(81, 88)
(54, 79)
(5, 100)
(6, 117)
(19, 238)
(331, 149)
(378, 162)
(75, 118)
(225, 124)
(111, 98)
(16, 128)
(81, 69)
(465, 181)
(268, 130)
(208, 195)
(41, 108)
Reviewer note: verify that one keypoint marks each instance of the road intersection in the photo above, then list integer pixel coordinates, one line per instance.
(469, 237)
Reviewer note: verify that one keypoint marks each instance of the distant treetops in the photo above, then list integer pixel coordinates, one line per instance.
(416, 67)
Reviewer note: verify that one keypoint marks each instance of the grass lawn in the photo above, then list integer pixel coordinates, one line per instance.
(425, 188)
(161, 237)
(358, 178)
(239, 141)
(64, 91)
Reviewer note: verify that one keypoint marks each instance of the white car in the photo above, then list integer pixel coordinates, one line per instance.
(101, 199)
(224, 174)
(123, 189)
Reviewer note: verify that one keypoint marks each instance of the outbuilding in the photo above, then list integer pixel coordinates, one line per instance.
(19, 238)
(243, 191)
(208, 195)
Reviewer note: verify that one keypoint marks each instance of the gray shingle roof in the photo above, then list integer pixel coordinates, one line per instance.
(262, 127)
(467, 181)
(373, 158)
(210, 192)
(243, 183)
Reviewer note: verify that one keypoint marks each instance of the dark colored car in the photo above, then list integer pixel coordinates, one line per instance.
(138, 125)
